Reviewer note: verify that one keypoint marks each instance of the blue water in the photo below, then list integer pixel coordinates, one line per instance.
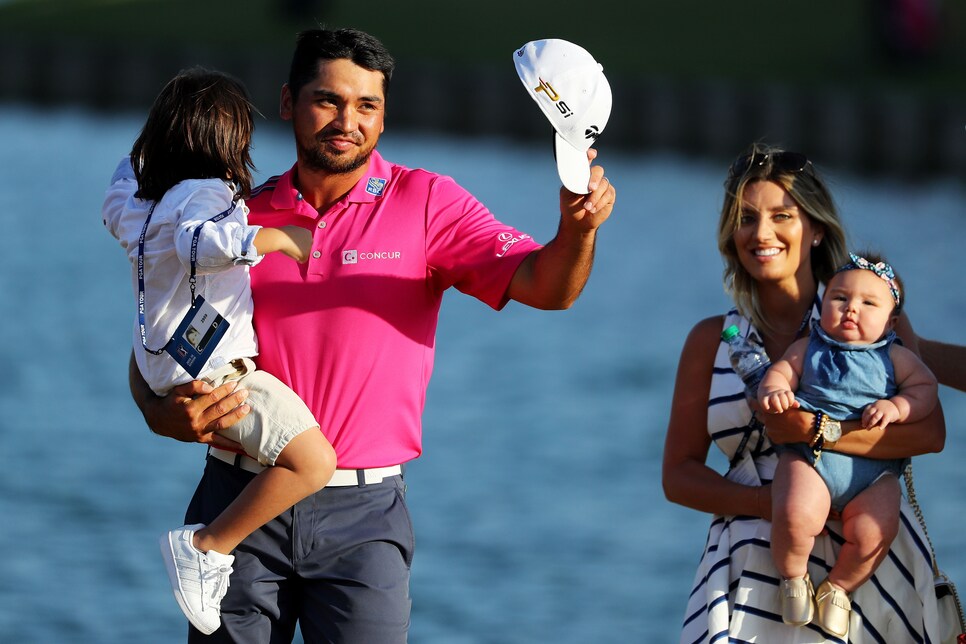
(538, 507)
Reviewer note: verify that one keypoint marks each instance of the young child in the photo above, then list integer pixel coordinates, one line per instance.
(849, 368)
(177, 207)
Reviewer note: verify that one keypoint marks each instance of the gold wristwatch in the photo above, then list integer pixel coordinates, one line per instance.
(827, 432)
(831, 431)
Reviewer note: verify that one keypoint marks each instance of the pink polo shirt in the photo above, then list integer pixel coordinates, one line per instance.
(353, 330)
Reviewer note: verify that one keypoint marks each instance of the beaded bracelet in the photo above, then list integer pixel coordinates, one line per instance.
(818, 440)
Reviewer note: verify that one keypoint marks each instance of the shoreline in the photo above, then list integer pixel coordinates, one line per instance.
(882, 133)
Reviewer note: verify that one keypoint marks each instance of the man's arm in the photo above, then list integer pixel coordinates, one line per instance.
(554, 276)
(192, 412)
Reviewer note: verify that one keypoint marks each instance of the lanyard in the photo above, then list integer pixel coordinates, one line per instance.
(192, 280)
(754, 425)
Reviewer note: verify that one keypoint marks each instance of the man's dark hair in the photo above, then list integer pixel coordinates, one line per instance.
(200, 127)
(316, 45)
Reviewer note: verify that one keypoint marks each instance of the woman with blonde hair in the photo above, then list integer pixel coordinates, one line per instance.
(781, 238)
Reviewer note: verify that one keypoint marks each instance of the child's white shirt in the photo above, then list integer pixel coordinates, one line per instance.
(225, 252)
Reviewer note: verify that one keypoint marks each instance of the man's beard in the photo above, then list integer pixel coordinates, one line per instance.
(316, 159)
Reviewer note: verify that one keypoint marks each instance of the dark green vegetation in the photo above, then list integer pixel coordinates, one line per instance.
(804, 43)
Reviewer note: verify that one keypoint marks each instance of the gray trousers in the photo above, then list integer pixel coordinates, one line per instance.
(337, 564)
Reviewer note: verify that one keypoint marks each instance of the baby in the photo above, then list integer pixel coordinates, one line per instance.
(848, 368)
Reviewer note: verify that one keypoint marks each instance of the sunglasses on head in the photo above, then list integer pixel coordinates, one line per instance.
(790, 162)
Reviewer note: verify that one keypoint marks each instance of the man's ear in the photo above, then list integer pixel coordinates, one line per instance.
(285, 103)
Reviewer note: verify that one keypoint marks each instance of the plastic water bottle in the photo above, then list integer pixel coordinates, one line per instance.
(748, 359)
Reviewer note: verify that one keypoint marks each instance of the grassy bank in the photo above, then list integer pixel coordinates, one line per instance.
(817, 43)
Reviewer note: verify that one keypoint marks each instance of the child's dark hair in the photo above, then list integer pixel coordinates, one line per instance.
(200, 127)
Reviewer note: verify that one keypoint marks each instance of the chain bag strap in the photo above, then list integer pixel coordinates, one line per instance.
(952, 622)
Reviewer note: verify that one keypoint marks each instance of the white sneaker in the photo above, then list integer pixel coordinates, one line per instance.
(199, 579)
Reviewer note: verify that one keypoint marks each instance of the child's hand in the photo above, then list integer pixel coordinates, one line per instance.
(881, 413)
(777, 400)
(298, 243)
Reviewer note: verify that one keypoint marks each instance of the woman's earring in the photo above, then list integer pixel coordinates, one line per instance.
(816, 242)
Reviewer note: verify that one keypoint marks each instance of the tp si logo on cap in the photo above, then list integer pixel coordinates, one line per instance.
(562, 107)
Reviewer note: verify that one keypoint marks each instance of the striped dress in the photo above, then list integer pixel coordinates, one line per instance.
(734, 597)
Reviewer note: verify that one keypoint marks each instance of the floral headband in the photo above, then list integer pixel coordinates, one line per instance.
(881, 269)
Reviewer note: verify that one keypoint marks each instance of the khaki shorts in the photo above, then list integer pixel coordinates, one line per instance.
(278, 415)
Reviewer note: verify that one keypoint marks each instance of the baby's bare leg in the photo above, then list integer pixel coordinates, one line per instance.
(303, 467)
(870, 522)
(800, 505)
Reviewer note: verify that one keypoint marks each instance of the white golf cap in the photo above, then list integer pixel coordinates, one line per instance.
(570, 87)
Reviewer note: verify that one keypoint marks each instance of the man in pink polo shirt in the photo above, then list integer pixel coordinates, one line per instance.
(353, 333)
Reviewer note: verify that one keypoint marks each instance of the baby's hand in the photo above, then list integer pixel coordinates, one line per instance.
(881, 413)
(299, 243)
(777, 401)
